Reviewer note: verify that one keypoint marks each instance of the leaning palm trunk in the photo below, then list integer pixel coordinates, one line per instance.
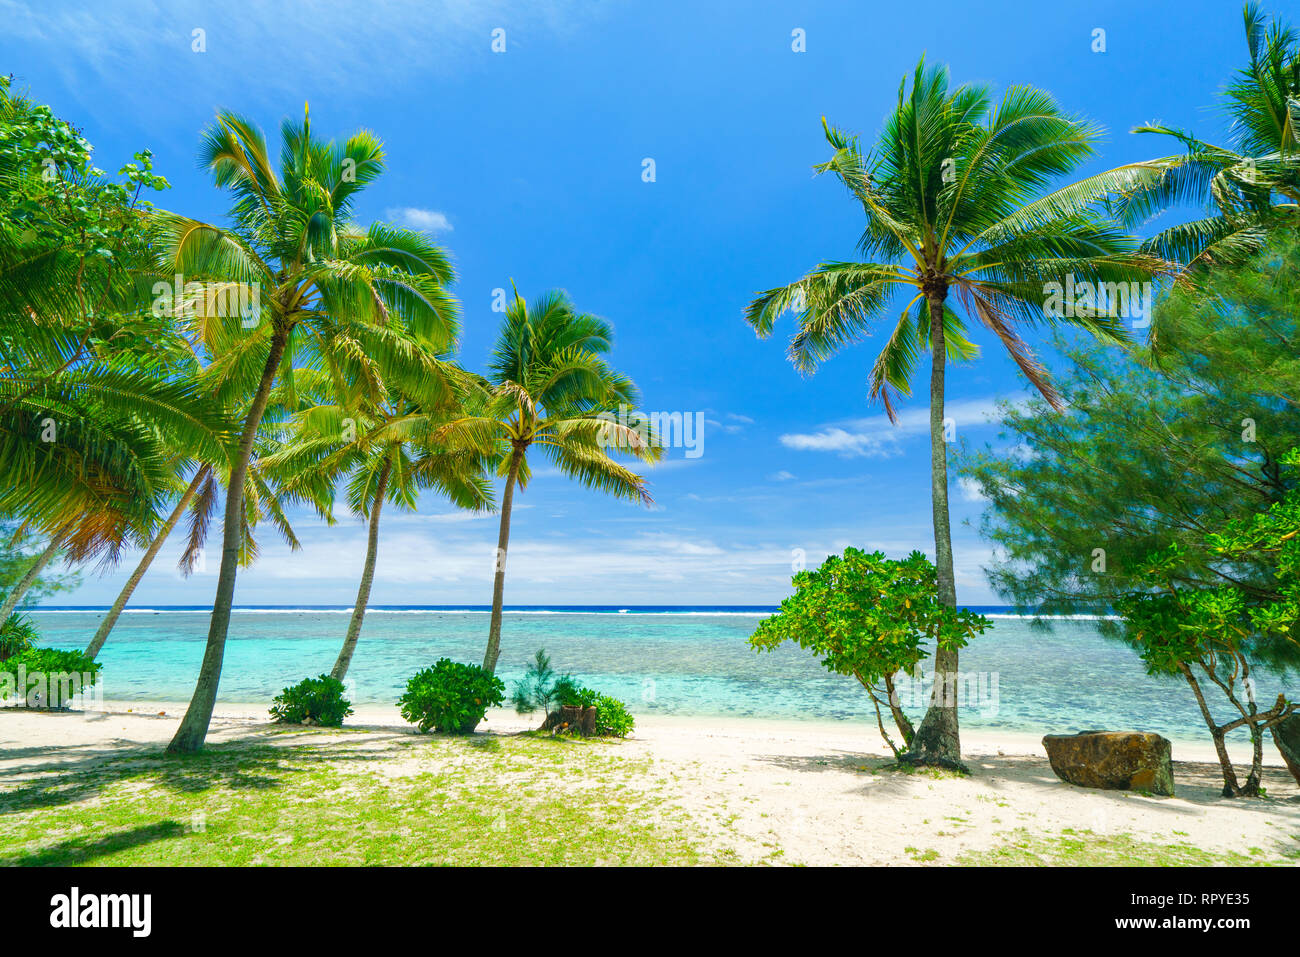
(938, 740)
(29, 579)
(499, 583)
(367, 579)
(194, 727)
(106, 626)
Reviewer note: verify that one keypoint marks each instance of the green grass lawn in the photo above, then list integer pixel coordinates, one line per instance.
(351, 799)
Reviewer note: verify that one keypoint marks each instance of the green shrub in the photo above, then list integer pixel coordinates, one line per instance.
(612, 717)
(568, 692)
(17, 634)
(50, 678)
(450, 696)
(540, 686)
(312, 701)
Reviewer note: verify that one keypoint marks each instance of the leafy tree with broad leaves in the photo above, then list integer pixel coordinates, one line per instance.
(1211, 633)
(91, 407)
(962, 227)
(871, 617)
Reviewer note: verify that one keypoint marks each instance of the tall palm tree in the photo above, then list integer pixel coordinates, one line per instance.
(551, 387)
(388, 452)
(957, 215)
(200, 496)
(328, 293)
(1249, 185)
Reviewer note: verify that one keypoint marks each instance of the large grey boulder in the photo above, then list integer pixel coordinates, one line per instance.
(1287, 737)
(1113, 760)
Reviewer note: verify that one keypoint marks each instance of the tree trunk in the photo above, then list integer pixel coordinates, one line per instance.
(106, 626)
(937, 741)
(499, 583)
(1230, 786)
(194, 727)
(367, 579)
(901, 720)
(25, 583)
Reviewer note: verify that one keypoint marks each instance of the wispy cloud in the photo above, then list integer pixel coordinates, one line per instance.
(426, 220)
(877, 437)
(274, 46)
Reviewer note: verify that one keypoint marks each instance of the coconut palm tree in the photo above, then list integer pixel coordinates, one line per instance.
(386, 452)
(552, 388)
(313, 290)
(90, 406)
(1249, 185)
(957, 215)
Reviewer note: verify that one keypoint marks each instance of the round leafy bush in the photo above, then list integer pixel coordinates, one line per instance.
(313, 701)
(612, 717)
(47, 677)
(17, 634)
(450, 696)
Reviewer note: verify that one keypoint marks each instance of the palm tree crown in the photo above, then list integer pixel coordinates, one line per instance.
(365, 307)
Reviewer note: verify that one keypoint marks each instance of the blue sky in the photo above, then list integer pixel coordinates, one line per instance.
(528, 165)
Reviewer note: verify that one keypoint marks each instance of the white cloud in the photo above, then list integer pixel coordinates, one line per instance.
(426, 220)
(781, 476)
(876, 436)
(970, 490)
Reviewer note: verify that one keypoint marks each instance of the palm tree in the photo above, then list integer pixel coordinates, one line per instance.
(90, 407)
(327, 293)
(200, 497)
(1249, 186)
(551, 387)
(389, 453)
(956, 215)
(30, 576)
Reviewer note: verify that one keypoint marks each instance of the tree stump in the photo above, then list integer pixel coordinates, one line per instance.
(571, 719)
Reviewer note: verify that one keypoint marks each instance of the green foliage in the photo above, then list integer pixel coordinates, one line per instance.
(867, 615)
(964, 223)
(17, 634)
(1156, 448)
(540, 688)
(312, 701)
(450, 696)
(1250, 183)
(871, 617)
(574, 695)
(612, 717)
(1223, 629)
(18, 549)
(52, 677)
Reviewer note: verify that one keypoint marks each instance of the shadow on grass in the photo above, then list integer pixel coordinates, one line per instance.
(76, 774)
(73, 852)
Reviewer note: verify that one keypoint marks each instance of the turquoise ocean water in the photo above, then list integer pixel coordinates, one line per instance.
(672, 662)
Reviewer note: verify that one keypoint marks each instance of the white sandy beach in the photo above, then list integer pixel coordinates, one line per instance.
(811, 790)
